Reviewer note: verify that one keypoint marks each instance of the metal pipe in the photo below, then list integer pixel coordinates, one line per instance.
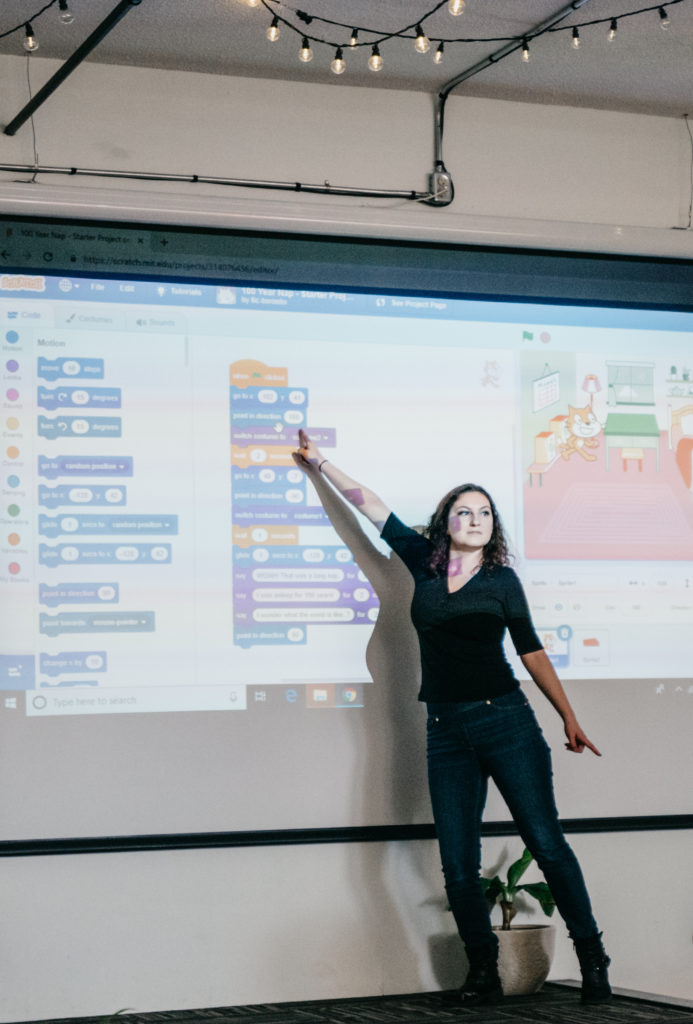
(481, 65)
(102, 30)
(285, 186)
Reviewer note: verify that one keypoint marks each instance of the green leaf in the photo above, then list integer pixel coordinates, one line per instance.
(492, 888)
(517, 870)
(541, 892)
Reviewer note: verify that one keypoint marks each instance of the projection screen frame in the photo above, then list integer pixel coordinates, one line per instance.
(314, 837)
(668, 288)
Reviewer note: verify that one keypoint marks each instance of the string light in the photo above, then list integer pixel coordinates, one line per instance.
(375, 61)
(30, 42)
(305, 54)
(338, 65)
(273, 31)
(421, 44)
(66, 15)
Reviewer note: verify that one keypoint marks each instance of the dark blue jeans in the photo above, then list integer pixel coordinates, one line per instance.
(468, 743)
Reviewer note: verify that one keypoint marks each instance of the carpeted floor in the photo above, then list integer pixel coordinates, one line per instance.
(582, 511)
(555, 1004)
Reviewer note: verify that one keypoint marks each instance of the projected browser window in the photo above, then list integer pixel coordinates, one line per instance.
(159, 550)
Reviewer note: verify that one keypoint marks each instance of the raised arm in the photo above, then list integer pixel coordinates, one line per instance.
(313, 462)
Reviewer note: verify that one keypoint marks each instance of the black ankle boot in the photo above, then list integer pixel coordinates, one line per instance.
(483, 985)
(593, 966)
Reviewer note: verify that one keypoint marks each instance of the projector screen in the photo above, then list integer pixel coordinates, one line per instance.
(191, 643)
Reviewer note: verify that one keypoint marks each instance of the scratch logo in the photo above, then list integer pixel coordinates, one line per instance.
(22, 283)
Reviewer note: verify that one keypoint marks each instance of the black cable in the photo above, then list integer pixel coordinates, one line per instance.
(407, 33)
(32, 180)
(301, 15)
(690, 203)
(618, 17)
(379, 36)
(33, 17)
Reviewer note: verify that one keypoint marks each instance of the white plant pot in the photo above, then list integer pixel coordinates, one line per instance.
(525, 953)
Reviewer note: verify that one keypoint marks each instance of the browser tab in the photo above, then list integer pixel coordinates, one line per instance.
(165, 322)
(85, 318)
(28, 314)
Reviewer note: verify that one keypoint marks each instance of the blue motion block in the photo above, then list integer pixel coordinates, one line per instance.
(96, 622)
(268, 635)
(78, 593)
(104, 554)
(84, 465)
(267, 399)
(110, 495)
(259, 494)
(314, 555)
(79, 426)
(69, 682)
(72, 369)
(81, 398)
(259, 477)
(73, 661)
(87, 524)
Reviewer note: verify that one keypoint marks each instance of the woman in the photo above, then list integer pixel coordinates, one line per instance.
(480, 725)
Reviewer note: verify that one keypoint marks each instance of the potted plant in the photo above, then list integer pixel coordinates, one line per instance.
(525, 951)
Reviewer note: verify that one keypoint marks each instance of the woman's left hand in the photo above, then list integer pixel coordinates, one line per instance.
(577, 741)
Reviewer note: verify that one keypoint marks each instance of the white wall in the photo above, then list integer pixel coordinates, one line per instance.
(89, 935)
(533, 175)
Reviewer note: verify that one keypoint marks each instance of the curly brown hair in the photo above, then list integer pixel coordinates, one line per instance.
(494, 553)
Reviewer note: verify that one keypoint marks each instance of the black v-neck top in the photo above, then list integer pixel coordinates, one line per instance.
(461, 634)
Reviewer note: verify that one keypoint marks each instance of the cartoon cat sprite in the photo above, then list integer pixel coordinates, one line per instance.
(581, 428)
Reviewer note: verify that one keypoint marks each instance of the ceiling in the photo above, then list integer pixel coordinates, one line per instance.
(644, 70)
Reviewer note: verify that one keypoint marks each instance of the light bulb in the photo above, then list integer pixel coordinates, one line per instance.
(438, 55)
(456, 7)
(525, 51)
(375, 61)
(66, 15)
(272, 32)
(338, 65)
(354, 37)
(30, 42)
(422, 44)
(663, 19)
(305, 53)
(253, 3)
(613, 29)
(576, 39)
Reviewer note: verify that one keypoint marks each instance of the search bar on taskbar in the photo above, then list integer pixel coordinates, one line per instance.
(96, 700)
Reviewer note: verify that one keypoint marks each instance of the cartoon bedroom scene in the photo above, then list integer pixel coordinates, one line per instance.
(607, 449)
